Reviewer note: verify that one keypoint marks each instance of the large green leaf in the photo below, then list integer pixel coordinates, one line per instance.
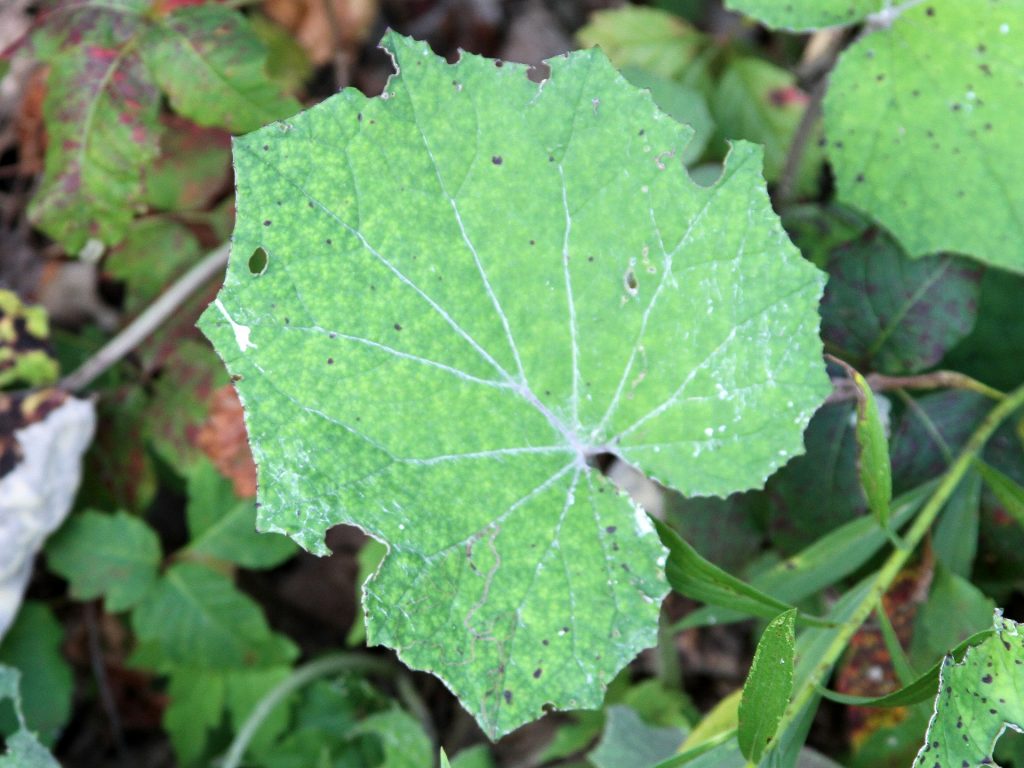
(804, 15)
(459, 307)
(977, 700)
(921, 120)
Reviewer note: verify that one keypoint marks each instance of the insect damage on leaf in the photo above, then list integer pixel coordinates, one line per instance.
(467, 289)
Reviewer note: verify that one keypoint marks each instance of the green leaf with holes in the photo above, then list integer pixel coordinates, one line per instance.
(978, 699)
(921, 122)
(805, 15)
(466, 290)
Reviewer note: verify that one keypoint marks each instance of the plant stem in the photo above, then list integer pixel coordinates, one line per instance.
(845, 389)
(155, 315)
(322, 667)
(895, 562)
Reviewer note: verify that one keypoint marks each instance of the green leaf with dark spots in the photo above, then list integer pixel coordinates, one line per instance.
(921, 121)
(454, 308)
(805, 15)
(978, 699)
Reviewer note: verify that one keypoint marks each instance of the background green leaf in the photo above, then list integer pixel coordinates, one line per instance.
(212, 67)
(884, 312)
(919, 119)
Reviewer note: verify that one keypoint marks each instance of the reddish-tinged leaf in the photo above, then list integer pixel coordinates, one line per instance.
(222, 437)
(193, 167)
(101, 112)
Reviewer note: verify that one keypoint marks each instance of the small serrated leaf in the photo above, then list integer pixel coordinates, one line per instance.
(111, 556)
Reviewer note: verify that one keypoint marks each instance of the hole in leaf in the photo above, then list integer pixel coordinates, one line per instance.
(258, 262)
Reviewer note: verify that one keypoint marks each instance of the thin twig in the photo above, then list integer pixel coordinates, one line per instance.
(808, 121)
(846, 389)
(155, 315)
(99, 673)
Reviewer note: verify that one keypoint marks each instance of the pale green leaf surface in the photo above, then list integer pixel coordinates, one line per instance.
(111, 556)
(768, 687)
(921, 119)
(459, 307)
(978, 699)
(805, 15)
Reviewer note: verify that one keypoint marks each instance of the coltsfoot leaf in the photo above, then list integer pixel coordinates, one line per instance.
(978, 699)
(444, 302)
(920, 119)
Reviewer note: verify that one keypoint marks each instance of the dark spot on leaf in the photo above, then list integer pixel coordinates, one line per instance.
(860, 178)
(497, 160)
(533, 242)
(332, 335)
(508, 697)
(930, 11)
(328, 241)
(398, 326)
(330, 361)
(266, 147)
(987, 679)
(537, 673)
(611, 529)
(266, 222)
